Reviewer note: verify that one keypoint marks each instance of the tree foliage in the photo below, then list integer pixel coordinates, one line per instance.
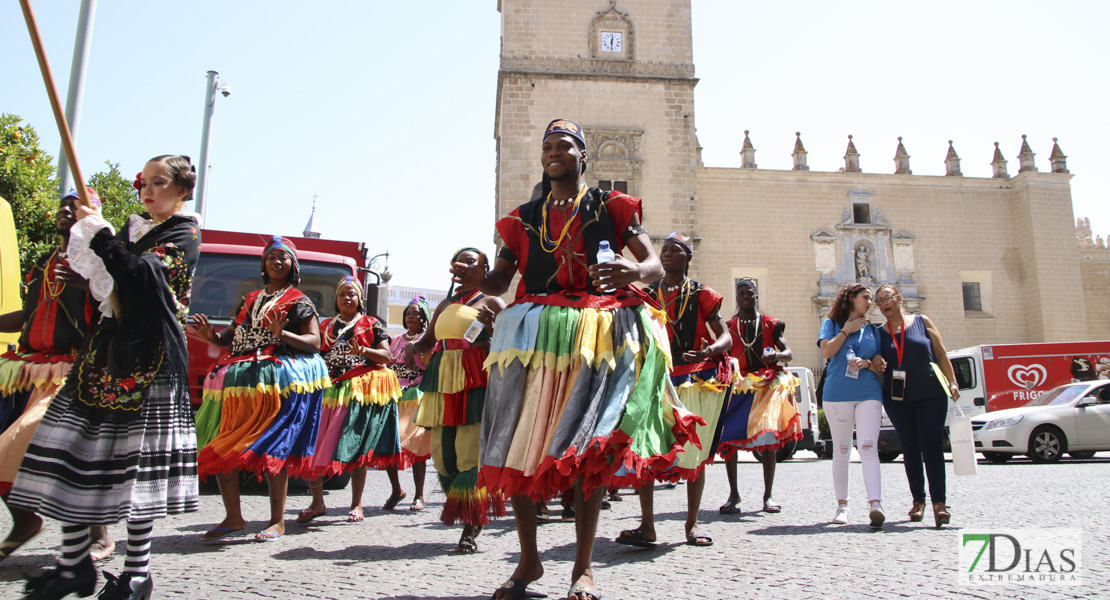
(29, 183)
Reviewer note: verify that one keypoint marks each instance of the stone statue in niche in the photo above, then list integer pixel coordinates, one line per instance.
(863, 263)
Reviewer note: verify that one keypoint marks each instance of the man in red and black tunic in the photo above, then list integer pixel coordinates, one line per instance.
(56, 315)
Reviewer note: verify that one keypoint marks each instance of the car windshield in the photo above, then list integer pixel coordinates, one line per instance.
(221, 281)
(1061, 395)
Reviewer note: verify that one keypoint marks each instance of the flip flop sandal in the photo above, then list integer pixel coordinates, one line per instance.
(393, 501)
(267, 536)
(517, 590)
(582, 588)
(730, 508)
(308, 514)
(355, 516)
(696, 539)
(418, 505)
(99, 551)
(220, 532)
(769, 506)
(634, 537)
(466, 545)
(7, 548)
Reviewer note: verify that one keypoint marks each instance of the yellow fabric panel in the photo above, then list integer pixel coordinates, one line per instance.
(9, 269)
(466, 448)
(430, 413)
(454, 321)
(707, 405)
(452, 377)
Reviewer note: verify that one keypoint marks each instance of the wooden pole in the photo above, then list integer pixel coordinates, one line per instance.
(55, 102)
(60, 119)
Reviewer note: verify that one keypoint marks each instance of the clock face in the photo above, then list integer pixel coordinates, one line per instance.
(611, 41)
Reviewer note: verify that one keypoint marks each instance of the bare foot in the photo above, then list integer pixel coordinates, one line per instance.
(225, 527)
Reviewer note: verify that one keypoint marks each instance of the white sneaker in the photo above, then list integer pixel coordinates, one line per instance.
(841, 517)
(877, 514)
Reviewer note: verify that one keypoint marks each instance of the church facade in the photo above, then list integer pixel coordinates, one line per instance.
(991, 260)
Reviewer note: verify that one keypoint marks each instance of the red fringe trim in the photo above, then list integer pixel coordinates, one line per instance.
(409, 458)
(370, 461)
(597, 465)
(734, 447)
(473, 512)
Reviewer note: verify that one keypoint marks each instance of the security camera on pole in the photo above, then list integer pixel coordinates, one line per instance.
(214, 85)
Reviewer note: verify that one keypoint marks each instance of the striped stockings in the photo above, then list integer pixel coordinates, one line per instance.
(75, 548)
(137, 563)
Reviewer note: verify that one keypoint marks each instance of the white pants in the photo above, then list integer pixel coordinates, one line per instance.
(866, 417)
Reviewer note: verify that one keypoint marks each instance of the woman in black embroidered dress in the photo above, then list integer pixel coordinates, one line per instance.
(127, 396)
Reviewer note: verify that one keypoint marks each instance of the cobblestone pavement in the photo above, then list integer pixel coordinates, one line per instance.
(794, 554)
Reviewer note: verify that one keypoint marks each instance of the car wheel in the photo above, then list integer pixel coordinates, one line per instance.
(1082, 455)
(1047, 445)
(888, 456)
(998, 457)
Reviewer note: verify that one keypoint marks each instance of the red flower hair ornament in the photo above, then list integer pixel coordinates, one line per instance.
(138, 181)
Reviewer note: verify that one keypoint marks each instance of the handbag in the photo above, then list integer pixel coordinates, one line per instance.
(962, 440)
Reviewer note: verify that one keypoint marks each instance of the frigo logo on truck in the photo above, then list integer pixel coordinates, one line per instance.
(1027, 377)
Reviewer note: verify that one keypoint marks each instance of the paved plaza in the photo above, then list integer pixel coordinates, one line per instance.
(794, 554)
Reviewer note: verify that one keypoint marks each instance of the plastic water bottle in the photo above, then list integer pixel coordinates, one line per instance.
(604, 255)
(473, 331)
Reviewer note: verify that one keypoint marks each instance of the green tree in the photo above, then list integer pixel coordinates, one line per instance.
(29, 184)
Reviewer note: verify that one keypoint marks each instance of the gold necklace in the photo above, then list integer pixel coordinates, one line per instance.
(685, 285)
(545, 236)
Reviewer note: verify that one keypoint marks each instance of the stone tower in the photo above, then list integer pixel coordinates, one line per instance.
(623, 70)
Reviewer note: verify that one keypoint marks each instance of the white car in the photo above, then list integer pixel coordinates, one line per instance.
(1072, 418)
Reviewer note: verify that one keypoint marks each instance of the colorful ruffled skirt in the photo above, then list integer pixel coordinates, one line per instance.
(454, 391)
(262, 415)
(704, 395)
(26, 389)
(579, 393)
(761, 414)
(358, 423)
(416, 441)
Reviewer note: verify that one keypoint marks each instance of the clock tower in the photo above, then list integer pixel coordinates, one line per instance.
(623, 70)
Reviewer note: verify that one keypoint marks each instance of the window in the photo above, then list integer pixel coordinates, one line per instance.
(608, 186)
(978, 294)
(973, 298)
(965, 372)
(861, 213)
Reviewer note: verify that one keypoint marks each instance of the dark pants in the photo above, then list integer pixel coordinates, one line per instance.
(920, 428)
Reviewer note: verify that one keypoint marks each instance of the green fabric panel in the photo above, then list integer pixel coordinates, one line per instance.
(368, 427)
(558, 329)
(208, 422)
(475, 403)
(430, 383)
(251, 374)
(643, 415)
(447, 444)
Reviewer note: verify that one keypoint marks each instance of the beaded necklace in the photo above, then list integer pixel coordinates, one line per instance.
(685, 294)
(53, 286)
(755, 338)
(545, 235)
(331, 339)
(260, 309)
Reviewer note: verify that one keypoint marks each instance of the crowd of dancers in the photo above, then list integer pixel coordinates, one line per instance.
(584, 384)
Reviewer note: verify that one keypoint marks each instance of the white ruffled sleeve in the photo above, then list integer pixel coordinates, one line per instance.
(87, 264)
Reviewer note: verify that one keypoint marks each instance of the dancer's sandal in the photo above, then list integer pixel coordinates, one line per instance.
(770, 506)
(517, 589)
(694, 538)
(635, 537)
(308, 514)
(8, 548)
(355, 515)
(730, 507)
(466, 545)
(584, 588)
(941, 516)
(394, 501)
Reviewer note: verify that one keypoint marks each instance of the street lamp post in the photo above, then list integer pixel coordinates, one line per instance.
(214, 85)
(77, 71)
(381, 288)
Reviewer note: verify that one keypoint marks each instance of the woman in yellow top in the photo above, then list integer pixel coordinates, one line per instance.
(454, 387)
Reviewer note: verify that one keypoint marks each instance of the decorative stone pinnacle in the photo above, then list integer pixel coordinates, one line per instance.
(952, 162)
(748, 152)
(901, 159)
(799, 153)
(998, 164)
(1025, 156)
(851, 158)
(1059, 161)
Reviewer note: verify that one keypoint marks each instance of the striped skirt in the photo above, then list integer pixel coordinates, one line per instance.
(77, 470)
(262, 416)
(578, 393)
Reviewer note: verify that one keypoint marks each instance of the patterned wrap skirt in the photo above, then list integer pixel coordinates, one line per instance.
(454, 390)
(358, 423)
(704, 395)
(761, 414)
(26, 389)
(579, 393)
(262, 416)
(416, 441)
(77, 470)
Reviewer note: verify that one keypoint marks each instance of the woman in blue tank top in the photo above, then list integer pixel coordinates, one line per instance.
(915, 399)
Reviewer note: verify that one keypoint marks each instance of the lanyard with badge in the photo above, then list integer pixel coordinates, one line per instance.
(853, 349)
(898, 375)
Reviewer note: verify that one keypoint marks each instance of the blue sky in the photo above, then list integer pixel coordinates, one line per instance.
(385, 111)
